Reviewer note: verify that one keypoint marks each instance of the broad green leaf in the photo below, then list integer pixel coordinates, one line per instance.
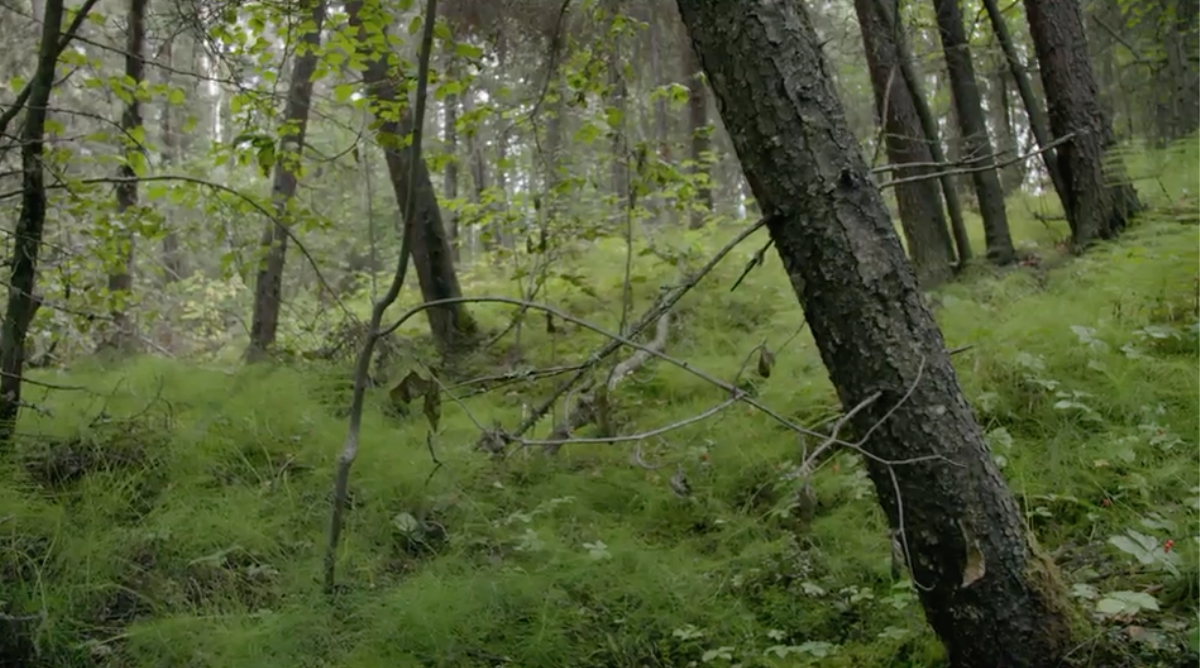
(468, 51)
(342, 92)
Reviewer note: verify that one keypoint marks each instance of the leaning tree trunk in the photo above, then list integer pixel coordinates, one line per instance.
(268, 289)
(27, 237)
(987, 594)
(920, 203)
(452, 326)
(884, 11)
(1100, 200)
(1039, 125)
(973, 130)
(120, 281)
(1012, 175)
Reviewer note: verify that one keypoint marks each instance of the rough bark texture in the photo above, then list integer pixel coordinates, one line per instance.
(27, 237)
(920, 203)
(992, 601)
(1098, 204)
(1039, 125)
(120, 282)
(697, 131)
(973, 129)
(452, 326)
(268, 289)
(884, 12)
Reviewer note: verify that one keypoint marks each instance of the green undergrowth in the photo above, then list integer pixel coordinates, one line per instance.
(171, 514)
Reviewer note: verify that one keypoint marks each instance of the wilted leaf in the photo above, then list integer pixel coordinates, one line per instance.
(766, 361)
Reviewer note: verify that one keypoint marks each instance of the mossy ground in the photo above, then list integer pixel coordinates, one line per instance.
(175, 514)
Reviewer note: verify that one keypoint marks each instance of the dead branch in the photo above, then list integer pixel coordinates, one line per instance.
(968, 170)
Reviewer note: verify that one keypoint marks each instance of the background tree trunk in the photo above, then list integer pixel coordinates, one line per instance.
(452, 326)
(919, 202)
(450, 174)
(1012, 175)
(973, 130)
(992, 601)
(698, 132)
(268, 289)
(958, 226)
(172, 258)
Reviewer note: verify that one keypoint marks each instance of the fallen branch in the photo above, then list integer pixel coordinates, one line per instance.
(969, 170)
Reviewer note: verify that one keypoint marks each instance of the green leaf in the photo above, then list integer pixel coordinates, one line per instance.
(468, 51)
(343, 92)
(414, 26)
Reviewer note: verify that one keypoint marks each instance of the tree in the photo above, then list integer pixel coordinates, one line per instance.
(120, 282)
(698, 130)
(987, 594)
(968, 104)
(452, 325)
(450, 137)
(22, 302)
(886, 12)
(919, 202)
(268, 290)
(1039, 125)
(1097, 206)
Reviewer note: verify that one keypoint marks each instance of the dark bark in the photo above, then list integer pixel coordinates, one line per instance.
(450, 173)
(919, 202)
(962, 244)
(120, 281)
(968, 105)
(698, 132)
(452, 326)
(992, 600)
(268, 289)
(27, 237)
(1039, 124)
(1099, 198)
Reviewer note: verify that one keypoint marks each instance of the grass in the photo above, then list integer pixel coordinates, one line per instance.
(174, 514)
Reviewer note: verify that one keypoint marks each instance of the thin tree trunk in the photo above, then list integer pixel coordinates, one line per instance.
(172, 259)
(919, 202)
(478, 168)
(973, 129)
(27, 237)
(698, 133)
(1012, 175)
(1097, 207)
(958, 226)
(618, 90)
(450, 173)
(452, 326)
(991, 599)
(268, 289)
(120, 281)
(1039, 124)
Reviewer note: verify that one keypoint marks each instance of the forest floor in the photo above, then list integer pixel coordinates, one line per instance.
(174, 514)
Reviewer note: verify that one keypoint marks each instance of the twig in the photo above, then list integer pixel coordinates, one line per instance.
(969, 170)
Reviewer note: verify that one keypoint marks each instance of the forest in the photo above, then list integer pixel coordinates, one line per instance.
(600, 333)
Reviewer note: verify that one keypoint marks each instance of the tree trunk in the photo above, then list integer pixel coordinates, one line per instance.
(958, 226)
(452, 326)
(1039, 125)
(698, 132)
(450, 173)
(618, 90)
(27, 237)
(268, 289)
(120, 281)
(920, 203)
(973, 129)
(662, 147)
(1012, 175)
(1097, 206)
(988, 595)
(478, 168)
(172, 259)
